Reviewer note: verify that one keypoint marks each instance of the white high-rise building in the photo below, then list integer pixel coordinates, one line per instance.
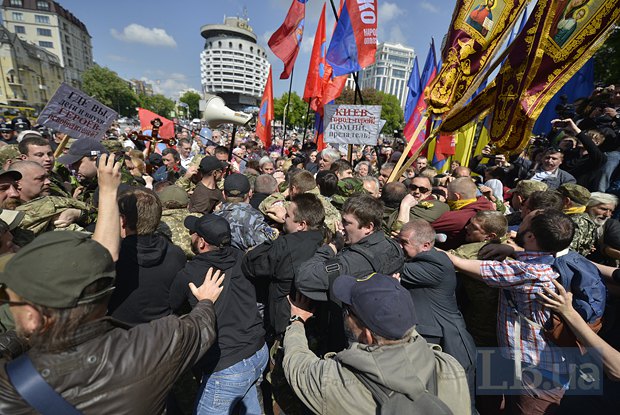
(233, 65)
(391, 70)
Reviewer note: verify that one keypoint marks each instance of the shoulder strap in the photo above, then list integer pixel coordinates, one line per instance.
(35, 390)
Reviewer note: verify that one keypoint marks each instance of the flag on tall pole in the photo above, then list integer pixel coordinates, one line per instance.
(284, 43)
(313, 90)
(537, 66)
(265, 114)
(477, 30)
(354, 42)
(414, 89)
(419, 111)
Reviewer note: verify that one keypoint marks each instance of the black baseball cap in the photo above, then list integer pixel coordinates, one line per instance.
(213, 229)
(236, 185)
(84, 147)
(379, 301)
(210, 163)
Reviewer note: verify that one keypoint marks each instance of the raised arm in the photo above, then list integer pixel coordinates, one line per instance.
(108, 228)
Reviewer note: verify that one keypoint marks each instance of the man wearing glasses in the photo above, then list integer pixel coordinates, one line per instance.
(419, 204)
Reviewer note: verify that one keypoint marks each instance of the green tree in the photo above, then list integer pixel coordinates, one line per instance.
(192, 99)
(607, 60)
(391, 110)
(296, 111)
(108, 88)
(157, 103)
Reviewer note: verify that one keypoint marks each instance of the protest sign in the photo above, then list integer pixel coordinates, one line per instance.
(352, 124)
(76, 114)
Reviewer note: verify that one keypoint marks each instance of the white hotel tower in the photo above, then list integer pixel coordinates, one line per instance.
(232, 64)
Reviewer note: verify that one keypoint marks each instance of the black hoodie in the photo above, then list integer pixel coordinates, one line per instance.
(240, 331)
(145, 269)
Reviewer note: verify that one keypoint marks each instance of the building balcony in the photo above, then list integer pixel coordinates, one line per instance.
(14, 82)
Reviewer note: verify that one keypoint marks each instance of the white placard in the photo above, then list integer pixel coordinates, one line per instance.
(352, 124)
(76, 114)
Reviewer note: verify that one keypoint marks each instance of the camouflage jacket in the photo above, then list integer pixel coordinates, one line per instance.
(172, 227)
(40, 215)
(332, 216)
(585, 236)
(247, 226)
(429, 210)
(58, 186)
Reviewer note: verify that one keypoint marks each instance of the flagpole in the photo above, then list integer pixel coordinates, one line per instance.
(403, 156)
(303, 140)
(288, 102)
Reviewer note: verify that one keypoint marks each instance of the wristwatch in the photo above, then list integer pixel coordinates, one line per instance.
(296, 318)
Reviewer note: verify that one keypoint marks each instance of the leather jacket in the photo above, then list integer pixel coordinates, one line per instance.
(110, 369)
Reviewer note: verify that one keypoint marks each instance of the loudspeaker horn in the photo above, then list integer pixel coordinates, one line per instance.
(216, 113)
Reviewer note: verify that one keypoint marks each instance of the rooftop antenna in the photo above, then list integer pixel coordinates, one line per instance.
(245, 14)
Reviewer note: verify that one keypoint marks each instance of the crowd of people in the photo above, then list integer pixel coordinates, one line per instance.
(291, 280)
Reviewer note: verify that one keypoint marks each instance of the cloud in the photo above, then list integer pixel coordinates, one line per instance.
(169, 85)
(306, 43)
(118, 58)
(389, 11)
(397, 36)
(135, 33)
(428, 6)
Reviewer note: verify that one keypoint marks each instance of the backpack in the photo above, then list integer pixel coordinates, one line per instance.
(446, 393)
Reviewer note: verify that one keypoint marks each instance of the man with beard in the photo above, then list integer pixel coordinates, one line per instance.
(542, 234)
(232, 367)
(600, 209)
(8, 185)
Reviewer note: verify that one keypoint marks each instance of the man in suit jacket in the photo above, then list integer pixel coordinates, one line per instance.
(430, 277)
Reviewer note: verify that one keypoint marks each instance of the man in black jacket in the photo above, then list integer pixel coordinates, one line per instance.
(233, 366)
(147, 262)
(430, 277)
(276, 262)
(367, 250)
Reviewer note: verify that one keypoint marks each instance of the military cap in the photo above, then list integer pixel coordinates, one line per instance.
(113, 146)
(526, 187)
(578, 194)
(54, 269)
(8, 152)
(173, 193)
(350, 186)
(21, 124)
(236, 185)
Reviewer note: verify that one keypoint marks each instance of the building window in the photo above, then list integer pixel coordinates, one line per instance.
(17, 3)
(44, 32)
(41, 19)
(19, 17)
(43, 5)
(45, 44)
(20, 30)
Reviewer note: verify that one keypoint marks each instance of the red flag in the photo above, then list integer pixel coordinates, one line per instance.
(285, 41)
(265, 114)
(146, 116)
(316, 71)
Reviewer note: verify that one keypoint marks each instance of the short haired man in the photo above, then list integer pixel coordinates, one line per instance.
(420, 164)
(430, 278)
(207, 195)
(38, 149)
(342, 168)
(519, 195)
(185, 152)
(240, 352)
(248, 226)
(327, 157)
(34, 182)
(418, 204)
(147, 262)
(82, 159)
(542, 234)
(366, 250)
(384, 346)
(171, 169)
(463, 206)
(58, 289)
(549, 171)
(384, 173)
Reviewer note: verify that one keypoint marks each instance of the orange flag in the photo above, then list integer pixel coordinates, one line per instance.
(265, 114)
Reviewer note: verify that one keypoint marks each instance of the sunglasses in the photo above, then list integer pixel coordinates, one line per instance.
(420, 188)
(4, 298)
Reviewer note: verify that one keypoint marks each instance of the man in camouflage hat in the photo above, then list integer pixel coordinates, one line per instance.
(8, 154)
(247, 225)
(346, 188)
(174, 201)
(576, 198)
(58, 289)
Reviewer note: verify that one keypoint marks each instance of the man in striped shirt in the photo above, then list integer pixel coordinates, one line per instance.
(520, 316)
